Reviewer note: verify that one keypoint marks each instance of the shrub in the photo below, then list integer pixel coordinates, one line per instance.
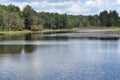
(36, 28)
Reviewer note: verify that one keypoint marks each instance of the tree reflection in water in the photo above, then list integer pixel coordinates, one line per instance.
(14, 49)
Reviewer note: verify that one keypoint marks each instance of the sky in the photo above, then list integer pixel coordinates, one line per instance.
(72, 7)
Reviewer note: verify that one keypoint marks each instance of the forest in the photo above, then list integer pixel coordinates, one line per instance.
(12, 18)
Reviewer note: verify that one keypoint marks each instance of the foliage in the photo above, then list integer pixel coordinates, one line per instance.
(36, 28)
(109, 18)
(29, 16)
(13, 22)
(12, 18)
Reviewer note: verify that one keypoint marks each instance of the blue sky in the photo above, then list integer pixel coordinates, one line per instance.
(75, 7)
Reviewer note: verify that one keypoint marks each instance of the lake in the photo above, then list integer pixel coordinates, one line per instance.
(36, 57)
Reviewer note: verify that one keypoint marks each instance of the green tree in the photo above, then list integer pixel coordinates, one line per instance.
(93, 20)
(65, 21)
(29, 16)
(1, 17)
(13, 8)
(113, 18)
(104, 18)
(12, 21)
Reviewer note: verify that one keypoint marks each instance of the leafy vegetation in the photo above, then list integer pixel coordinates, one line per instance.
(12, 18)
(36, 28)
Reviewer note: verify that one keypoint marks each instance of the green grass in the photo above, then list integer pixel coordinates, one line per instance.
(112, 29)
(116, 31)
(15, 32)
(28, 31)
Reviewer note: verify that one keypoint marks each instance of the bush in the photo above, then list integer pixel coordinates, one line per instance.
(36, 28)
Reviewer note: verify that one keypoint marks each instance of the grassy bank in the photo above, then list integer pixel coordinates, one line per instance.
(42, 31)
(116, 31)
(112, 29)
(15, 32)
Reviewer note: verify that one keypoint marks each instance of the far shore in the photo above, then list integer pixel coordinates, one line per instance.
(89, 32)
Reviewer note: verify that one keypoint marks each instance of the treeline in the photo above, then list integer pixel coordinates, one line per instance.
(12, 18)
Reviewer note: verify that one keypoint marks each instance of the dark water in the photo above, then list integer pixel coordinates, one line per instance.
(33, 57)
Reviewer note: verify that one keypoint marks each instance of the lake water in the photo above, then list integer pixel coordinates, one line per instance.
(32, 57)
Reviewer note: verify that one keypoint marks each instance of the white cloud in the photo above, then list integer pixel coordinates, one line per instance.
(94, 3)
(47, 4)
(55, 10)
(74, 6)
(69, 6)
(118, 1)
(51, 7)
(90, 3)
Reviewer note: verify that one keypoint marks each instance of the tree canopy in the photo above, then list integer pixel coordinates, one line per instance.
(12, 18)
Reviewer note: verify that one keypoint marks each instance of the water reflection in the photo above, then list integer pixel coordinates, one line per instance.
(59, 58)
(40, 36)
(33, 36)
(12, 49)
(30, 37)
(29, 48)
(11, 37)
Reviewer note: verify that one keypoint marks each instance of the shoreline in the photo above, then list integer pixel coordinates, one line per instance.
(93, 31)
(89, 33)
(85, 35)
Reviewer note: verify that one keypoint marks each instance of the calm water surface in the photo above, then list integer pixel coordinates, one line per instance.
(32, 57)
